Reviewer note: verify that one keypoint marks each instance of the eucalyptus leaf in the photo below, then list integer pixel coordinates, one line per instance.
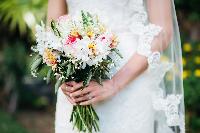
(65, 63)
(118, 53)
(37, 57)
(87, 79)
(36, 63)
(57, 85)
(50, 71)
(69, 67)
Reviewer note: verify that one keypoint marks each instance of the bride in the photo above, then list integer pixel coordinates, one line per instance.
(145, 95)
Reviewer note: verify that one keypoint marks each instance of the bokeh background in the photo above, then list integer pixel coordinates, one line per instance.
(27, 105)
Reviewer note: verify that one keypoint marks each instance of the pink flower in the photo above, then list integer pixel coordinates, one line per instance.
(63, 18)
(70, 40)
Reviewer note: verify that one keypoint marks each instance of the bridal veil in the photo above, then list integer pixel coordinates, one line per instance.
(160, 42)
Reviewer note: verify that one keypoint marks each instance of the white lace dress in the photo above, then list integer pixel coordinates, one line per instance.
(131, 110)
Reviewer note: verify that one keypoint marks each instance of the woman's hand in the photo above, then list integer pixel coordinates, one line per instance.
(70, 87)
(92, 94)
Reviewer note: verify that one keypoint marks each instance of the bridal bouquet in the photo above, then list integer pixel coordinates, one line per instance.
(80, 50)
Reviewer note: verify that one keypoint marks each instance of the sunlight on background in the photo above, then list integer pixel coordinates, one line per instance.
(27, 104)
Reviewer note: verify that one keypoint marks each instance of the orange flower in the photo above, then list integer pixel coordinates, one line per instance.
(49, 57)
(114, 41)
(74, 32)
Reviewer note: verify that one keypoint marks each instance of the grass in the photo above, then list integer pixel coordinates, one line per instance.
(9, 125)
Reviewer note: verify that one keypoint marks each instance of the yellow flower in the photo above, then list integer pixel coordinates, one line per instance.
(49, 57)
(90, 33)
(186, 74)
(197, 59)
(92, 46)
(197, 73)
(187, 47)
(74, 32)
(184, 61)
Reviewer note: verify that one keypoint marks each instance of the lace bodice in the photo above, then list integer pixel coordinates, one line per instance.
(119, 16)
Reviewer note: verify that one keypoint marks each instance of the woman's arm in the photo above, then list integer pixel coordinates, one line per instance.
(159, 13)
(56, 8)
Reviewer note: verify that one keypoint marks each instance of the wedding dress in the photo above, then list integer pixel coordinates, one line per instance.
(145, 105)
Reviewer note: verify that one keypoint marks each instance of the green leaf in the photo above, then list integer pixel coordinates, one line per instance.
(65, 63)
(69, 67)
(37, 57)
(117, 52)
(57, 85)
(88, 78)
(53, 26)
(36, 63)
(49, 75)
(99, 80)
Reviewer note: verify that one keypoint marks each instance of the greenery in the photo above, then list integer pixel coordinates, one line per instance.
(17, 21)
(190, 7)
(9, 125)
(191, 76)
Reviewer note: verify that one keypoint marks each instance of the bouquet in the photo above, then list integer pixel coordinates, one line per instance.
(80, 49)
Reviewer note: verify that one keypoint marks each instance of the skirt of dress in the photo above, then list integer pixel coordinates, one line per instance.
(130, 111)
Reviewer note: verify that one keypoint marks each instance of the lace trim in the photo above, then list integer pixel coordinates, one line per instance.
(154, 59)
(170, 105)
(145, 40)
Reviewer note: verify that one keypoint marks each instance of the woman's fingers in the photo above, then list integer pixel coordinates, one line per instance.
(65, 87)
(71, 101)
(71, 86)
(80, 99)
(77, 86)
(66, 92)
(81, 92)
(91, 101)
(86, 97)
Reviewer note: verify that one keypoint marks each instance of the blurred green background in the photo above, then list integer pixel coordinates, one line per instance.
(27, 105)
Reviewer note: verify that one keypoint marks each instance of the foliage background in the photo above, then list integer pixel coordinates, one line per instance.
(27, 105)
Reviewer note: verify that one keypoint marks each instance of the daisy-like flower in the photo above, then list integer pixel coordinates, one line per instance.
(50, 58)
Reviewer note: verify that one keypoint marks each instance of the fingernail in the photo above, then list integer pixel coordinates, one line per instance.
(71, 95)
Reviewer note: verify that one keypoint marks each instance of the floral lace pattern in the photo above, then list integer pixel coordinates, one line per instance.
(154, 59)
(145, 40)
(170, 106)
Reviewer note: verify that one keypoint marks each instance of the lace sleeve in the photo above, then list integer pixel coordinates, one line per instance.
(154, 26)
(145, 40)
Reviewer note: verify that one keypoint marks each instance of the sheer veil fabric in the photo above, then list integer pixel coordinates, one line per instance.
(154, 102)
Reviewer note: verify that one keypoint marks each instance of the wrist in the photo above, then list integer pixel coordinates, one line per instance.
(114, 85)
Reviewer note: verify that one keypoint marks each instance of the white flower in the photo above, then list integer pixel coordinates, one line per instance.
(46, 39)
